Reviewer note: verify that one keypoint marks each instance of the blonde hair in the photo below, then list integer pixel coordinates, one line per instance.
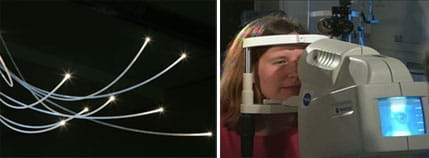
(233, 65)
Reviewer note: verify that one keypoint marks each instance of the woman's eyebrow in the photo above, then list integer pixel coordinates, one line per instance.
(278, 57)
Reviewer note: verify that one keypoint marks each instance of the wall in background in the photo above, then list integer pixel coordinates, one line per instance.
(402, 32)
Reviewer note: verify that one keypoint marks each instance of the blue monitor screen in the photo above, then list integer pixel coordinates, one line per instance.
(401, 116)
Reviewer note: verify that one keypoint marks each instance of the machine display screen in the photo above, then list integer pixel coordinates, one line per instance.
(401, 116)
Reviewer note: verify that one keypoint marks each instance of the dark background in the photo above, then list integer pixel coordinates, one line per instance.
(231, 20)
(95, 40)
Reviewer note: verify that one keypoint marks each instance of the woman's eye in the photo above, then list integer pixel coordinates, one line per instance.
(278, 62)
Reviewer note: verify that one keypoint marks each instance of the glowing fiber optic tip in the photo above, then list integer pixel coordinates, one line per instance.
(184, 55)
(209, 134)
(86, 109)
(67, 76)
(112, 98)
(161, 109)
(147, 39)
(62, 123)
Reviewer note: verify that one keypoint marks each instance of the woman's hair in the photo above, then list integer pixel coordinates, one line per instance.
(233, 66)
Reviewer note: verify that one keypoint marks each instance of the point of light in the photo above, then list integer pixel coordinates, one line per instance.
(147, 39)
(161, 110)
(67, 76)
(86, 109)
(184, 55)
(62, 123)
(209, 134)
(112, 98)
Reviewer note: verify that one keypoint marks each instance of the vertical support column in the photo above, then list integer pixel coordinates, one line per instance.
(247, 123)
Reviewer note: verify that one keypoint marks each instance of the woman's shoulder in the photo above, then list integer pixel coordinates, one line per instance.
(227, 132)
(229, 142)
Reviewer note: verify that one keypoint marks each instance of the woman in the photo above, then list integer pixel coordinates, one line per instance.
(275, 76)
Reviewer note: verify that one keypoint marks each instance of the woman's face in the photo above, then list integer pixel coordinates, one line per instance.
(277, 70)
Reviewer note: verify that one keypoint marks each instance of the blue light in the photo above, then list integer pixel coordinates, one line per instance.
(401, 116)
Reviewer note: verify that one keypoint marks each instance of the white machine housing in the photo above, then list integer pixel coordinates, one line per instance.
(338, 115)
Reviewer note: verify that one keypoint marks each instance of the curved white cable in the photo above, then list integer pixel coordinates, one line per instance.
(159, 110)
(147, 40)
(112, 98)
(63, 97)
(139, 130)
(7, 79)
(84, 116)
(208, 134)
(54, 126)
(27, 126)
(66, 77)
(46, 112)
(195, 134)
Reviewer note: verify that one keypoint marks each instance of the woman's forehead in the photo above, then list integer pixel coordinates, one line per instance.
(288, 46)
(282, 51)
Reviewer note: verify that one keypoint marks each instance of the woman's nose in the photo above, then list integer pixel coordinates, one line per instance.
(294, 62)
(292, 70)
